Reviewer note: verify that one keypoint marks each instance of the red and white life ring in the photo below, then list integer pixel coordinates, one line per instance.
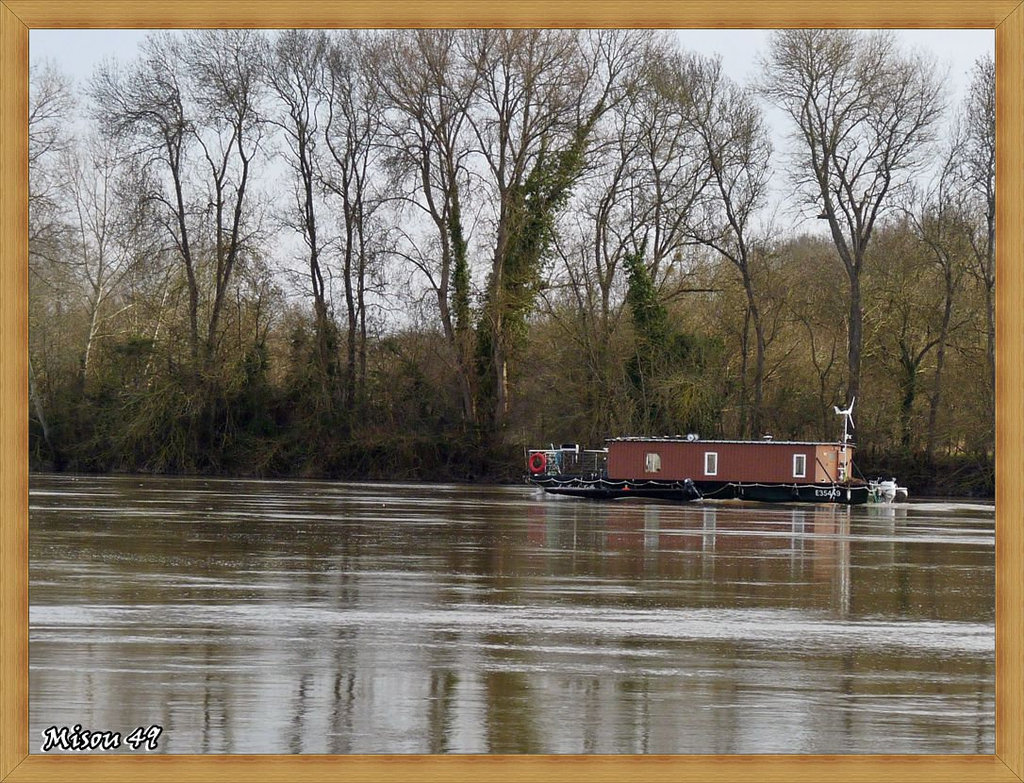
(538, 462)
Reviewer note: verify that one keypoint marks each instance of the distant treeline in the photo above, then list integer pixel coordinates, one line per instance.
(411, 255)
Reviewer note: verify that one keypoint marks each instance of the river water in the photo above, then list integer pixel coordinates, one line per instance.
(318, 617)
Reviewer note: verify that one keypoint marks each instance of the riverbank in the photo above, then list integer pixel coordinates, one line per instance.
(947, 476)
(456, 461)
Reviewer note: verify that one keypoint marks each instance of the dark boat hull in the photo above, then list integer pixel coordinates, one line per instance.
(683, 491)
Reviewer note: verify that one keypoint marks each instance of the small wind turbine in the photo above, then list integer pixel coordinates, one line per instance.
(847, 425)
(847, 421)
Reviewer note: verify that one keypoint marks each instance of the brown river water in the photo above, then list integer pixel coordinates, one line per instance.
(236, 616)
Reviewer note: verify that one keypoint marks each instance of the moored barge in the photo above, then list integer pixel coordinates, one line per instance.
(689, 468)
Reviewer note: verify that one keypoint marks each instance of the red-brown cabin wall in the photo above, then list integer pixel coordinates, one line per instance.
(759, 461)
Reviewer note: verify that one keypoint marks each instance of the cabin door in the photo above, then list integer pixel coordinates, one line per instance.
(843, 465)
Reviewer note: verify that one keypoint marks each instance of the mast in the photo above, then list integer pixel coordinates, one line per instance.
(847, 415)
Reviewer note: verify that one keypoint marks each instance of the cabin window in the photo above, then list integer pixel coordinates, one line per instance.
(710, 463)
(799, 466)
(652, 464)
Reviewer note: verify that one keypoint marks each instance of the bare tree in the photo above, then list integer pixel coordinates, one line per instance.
(865, 115)
(978, 118)
(430, 86)
(297, 71)
(49, 110)
(815, 306)
(228, 87)
(903, 324)
(107, 240)
(351, 132)
(670, 170)
(940, 219)
(644, 178)
(189, 108)
(147, 107)
(541, 94)
(737, 149)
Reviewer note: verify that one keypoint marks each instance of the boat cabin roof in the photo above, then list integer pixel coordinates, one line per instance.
(698, 440)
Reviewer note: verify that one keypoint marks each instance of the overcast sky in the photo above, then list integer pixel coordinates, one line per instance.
(78, 52)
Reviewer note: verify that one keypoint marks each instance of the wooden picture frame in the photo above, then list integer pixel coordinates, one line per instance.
(18, 17)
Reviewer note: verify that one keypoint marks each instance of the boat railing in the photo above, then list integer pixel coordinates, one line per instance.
(570, 461)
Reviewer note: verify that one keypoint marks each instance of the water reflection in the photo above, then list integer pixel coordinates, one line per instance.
(306, 617)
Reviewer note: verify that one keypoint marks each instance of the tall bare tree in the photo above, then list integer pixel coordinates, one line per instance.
(732, 132)
(941, 219)
(107, 238)
(228, 85)
(670, 170)
(351, 132)
(864, 115)
(430, 85)
(296, 69)
(978, 118)
(645, 177)
(49, 111)
(189, 108)
(541, 94)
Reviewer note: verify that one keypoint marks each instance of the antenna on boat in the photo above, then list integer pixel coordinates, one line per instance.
(847, 421)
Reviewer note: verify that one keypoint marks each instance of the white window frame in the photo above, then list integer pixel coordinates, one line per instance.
(652, 462)
(801, 458)
(709, 469)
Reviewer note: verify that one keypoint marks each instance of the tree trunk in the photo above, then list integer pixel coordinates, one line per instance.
(460, 302)
(856, 331)
(744, 417)
(90, 338)
(756, 412)
(940, 362)
(361, 308)
(990, 312)
(41, 414)
(909, 384)
(350, 380)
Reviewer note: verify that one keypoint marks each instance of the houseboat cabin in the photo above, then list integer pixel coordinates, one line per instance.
(688, 468)
(767, 461)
